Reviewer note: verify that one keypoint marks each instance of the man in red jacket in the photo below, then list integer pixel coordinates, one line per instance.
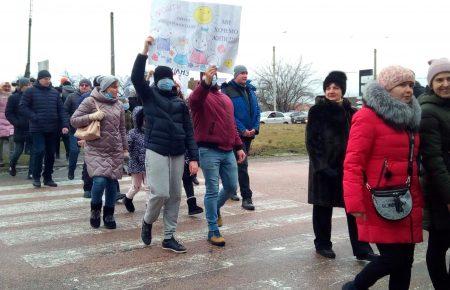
(216, 136)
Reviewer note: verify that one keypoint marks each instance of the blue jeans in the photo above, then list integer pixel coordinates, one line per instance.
(43, 144)
(100, 184)
(74, 150)
(214, 164)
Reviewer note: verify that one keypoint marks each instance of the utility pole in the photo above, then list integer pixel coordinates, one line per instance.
(375, 64)
(27, 68)
(113, 65)
(274, 81)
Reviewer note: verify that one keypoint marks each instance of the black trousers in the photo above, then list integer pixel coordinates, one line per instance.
(322, 230)
(438, 245)
(43, 145)
(187, 181)
(243, 178)
(395, 260)
(87, 180)
(66, 141)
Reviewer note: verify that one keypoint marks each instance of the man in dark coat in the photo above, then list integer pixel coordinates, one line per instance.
(327, 133)
(20, 123)
(44, 108)
(70, 105)
(247, 116)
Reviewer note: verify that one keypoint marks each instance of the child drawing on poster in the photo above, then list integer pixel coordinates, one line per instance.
(163, 45)
(181, 51)
(199, 47)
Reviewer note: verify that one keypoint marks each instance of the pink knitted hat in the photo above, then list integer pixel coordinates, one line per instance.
(437, 66)
(392, 76)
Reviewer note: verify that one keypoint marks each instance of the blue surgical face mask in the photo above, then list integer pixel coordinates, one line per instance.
(109, 96)
(214, 80)
(126, 106)
(165, 84)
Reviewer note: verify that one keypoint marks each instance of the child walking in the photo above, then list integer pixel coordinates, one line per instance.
(136, 164)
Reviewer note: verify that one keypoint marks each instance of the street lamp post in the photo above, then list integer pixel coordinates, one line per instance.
(274, 81)
(27, 68)
(113, 63)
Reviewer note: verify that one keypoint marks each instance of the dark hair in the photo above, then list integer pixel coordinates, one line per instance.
(140, 120)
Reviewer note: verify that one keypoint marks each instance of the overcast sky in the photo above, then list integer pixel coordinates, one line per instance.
(329, 34)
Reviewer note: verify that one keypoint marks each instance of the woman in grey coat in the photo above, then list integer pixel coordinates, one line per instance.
(104, 156)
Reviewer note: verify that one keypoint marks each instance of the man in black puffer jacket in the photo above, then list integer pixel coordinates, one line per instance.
(44, 108)
(20, 122)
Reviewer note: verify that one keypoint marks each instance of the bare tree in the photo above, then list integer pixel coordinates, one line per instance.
(293, 83)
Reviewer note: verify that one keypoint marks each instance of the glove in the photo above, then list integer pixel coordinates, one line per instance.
(97, 116)
(330, 172)
(126, 156)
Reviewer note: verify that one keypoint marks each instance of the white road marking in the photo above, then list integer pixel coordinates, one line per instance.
(199, 264)
(64, 256)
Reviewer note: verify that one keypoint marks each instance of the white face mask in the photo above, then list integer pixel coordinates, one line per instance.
(214, 80)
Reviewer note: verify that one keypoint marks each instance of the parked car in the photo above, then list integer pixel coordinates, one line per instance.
(272, 117)
(299, 118)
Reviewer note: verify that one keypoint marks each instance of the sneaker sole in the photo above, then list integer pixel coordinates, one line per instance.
(175, 251)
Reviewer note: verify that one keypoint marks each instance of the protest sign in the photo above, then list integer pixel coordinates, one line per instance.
(193, 35)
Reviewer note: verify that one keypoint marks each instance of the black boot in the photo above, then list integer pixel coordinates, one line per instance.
(193, 207)
(12, 170)
(128, 202)
(146, 233)
(95, 215)
(108, 217)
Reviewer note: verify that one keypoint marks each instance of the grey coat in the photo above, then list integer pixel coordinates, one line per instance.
(104, 156)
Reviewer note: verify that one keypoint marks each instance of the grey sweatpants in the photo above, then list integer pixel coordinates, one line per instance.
(164, 174)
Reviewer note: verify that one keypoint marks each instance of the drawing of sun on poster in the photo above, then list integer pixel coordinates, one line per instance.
(194, 35)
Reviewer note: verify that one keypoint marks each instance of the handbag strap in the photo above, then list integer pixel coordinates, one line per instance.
(410, 162)
(96, 105)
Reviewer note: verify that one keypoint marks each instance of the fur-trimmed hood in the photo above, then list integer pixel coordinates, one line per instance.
(399, 115)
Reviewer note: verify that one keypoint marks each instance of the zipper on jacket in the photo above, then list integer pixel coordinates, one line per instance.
(385, 164)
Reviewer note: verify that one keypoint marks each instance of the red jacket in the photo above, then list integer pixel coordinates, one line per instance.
(213, 117)
(373, 142)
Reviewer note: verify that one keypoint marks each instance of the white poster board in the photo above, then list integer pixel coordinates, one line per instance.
(193, 35)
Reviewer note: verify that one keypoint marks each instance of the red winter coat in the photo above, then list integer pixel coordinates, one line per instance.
(378, 135)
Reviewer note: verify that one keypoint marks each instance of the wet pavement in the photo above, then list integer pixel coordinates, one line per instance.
(46, 241)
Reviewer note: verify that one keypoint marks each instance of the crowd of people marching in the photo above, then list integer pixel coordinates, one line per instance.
(387, 164)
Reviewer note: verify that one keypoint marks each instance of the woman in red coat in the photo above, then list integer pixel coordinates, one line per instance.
(378, 147)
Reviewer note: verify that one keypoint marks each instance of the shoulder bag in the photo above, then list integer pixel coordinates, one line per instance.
(395, 202)
(91, 131)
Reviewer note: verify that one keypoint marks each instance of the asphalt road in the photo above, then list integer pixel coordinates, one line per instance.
(46, 241)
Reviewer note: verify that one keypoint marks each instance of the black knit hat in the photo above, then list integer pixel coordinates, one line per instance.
(339, 78)
(97, 81)
(162, 72)
(43, 74)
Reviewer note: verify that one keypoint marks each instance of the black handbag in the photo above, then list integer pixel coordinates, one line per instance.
(395, 202)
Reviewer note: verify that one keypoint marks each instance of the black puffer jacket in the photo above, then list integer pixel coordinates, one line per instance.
(44, 108)
(16, 117)
(435, 151)
(71, 105)
(327, 134)
(169, 127)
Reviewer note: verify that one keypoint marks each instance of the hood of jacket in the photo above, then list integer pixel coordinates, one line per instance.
(232, 83)
(395, 113)
(99, 96)
(431, 98)
(322, 100)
